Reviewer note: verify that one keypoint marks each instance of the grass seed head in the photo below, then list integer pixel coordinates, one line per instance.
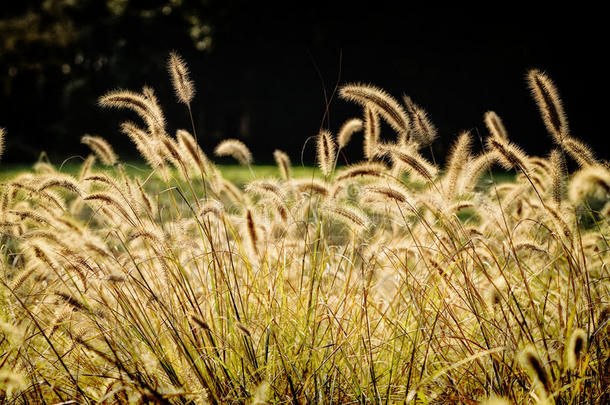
(2, 132)
(252, 231)
(576, 347)
(495, 126)
(457, 160)
(371, 132)
(536, 369)
(283, 163)
(408, 158)
(377, 99)
(510, 156)
(364, 170)
(183, 85)
(349, 128)
(580, 152)
(590, 184)
(236, 149)
(557, 174)
(423, 130)
(350, 216)
(326, 152)
(138, 103)
(101, 148)
(551, 108)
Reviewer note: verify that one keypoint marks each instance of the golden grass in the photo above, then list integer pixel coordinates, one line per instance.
(391, 280)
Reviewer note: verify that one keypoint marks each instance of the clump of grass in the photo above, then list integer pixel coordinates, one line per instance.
(390, 280)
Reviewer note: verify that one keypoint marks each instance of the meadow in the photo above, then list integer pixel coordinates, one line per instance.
(394, 279)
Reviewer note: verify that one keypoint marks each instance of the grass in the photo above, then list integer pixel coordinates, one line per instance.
(239, 175)
(390, 280)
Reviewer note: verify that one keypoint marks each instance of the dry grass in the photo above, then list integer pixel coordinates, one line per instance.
(390, 280)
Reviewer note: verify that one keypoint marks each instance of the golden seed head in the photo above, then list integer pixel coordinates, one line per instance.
(183, 85)
(536, 369)
(101, 148)
(236, 149)
(380, 101)
(576, 347)
(2, 132)
(551, 108)
(423, 130)
(326, 152)
(495, 126)
(349, 128)
(283, 163)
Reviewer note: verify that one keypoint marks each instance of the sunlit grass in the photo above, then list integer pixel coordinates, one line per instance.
(393, 280)
(234, 173)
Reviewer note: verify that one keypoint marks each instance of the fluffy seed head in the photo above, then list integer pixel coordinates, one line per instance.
(416, 165)
(252, 233)
(495, 126)
(368, 169)
(22, 277)
(496, 401)
(189, 144)
(283, 163)
(183, 85)
(592, 182)
(267, 187)
(236, 149)
(371, 132)
(86, 167)
(458, 157)
(109, 199)
(510, 156)
(475, 167)
(424, 132)
(144, 143)
(575, 347)
(311, 186)
(549, 104)
(101, 148)
(2, 131)
(384, 104)
(212, 207)
(556, 176)
(529, 244)
(65, 182)
(232, 191)
(135, 102)
(580, 152)
(349, 128)
(391, 194)
(171, 149)
(347, 215)
(153, 103)
(535, 368)
(326, 152)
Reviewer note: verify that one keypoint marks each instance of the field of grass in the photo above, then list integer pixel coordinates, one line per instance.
(239, 175)
(392, 280)
(236, 174)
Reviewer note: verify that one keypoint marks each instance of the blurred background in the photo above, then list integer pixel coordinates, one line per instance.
(264, 73)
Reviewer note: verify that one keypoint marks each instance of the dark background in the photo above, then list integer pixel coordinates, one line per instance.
(261, 72)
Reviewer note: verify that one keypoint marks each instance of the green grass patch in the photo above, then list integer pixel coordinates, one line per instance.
(238, 175)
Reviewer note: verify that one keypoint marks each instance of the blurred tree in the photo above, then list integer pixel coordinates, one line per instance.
(57, 54)
(261, 70)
